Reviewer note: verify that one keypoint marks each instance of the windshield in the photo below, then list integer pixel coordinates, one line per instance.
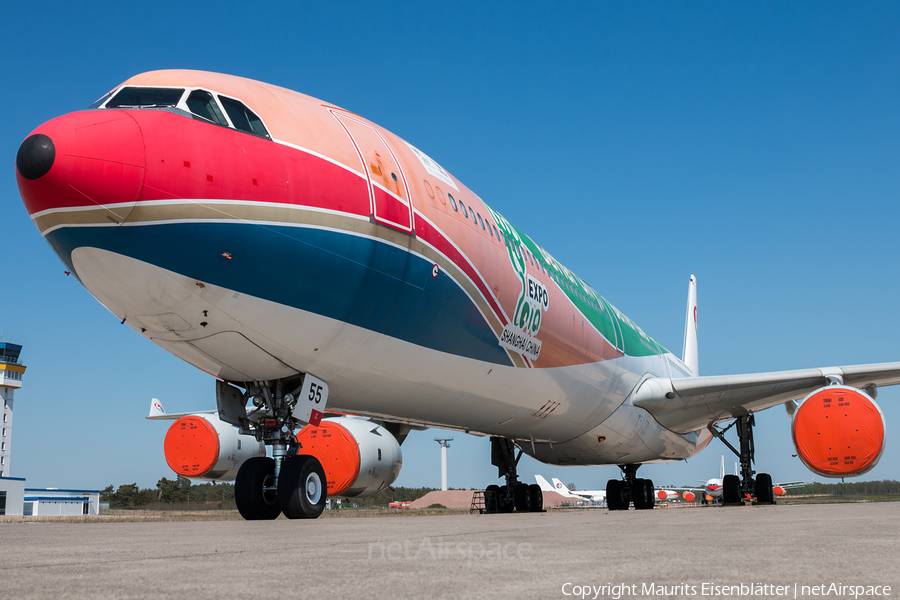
(133, 97)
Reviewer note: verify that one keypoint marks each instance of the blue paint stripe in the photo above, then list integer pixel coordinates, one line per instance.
(353, 279)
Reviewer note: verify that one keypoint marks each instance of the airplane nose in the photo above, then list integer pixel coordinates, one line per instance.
(35, 156)
(85, 161)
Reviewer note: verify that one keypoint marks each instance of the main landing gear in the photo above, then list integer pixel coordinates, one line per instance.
(290, 482)
(736, 489)
(621, 492)
(515, 494)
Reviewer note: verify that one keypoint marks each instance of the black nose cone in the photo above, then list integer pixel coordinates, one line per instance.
(35, 156)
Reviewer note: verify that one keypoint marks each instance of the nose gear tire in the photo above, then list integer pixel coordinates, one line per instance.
(254, 501)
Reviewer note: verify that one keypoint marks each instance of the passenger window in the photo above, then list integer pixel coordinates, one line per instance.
(142, 97)
(463, 207)
(203, 105)
(243, 118)
(453, 202)
(480, 222)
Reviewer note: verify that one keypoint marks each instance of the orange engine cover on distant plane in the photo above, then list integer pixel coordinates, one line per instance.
(688, 496)
(336, 449)
(838, 431)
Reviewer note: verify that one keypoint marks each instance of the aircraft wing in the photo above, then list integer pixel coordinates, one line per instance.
(691, 403)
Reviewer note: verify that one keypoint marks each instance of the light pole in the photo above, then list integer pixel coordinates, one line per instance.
(445, 443)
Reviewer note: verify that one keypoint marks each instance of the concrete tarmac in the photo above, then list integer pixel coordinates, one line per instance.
(660, 553)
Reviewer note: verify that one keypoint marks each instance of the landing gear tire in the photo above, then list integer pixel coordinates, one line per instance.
(492, 499)
(537, 497)
(642, 493)
(254, 491)
(764, 490)
(505, 502)
(614, 499)
(301, 487)
(523, 498)
(731, 490)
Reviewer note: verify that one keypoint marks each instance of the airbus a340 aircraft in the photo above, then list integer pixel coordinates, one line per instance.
(302, 254)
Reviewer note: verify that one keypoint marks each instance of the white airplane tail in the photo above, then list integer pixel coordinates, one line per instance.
(560, 488)
(722, 468)
(544, 484)
(690, 354)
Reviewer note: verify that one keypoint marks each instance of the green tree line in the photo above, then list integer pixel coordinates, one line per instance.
(178, 491)
(182, 493)
(852, 488)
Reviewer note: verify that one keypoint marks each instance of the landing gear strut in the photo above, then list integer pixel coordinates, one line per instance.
(736, 489)
(621, 492)
(289, 482)
(515, 494)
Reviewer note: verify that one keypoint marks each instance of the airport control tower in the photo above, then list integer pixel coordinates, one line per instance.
(11, 370)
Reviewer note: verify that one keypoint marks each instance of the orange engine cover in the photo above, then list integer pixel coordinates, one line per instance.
(838, 431)
(336, 449)
(191, 446)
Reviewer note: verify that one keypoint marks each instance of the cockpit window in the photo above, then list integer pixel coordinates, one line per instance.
(143, 97)
(202, 104)
(243, 118)
(102, 99)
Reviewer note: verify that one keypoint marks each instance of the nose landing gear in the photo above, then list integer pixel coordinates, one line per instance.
(289, 482)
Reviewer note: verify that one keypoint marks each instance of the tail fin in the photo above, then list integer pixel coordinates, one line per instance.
(544, 484)
(690, 356)
(560, 488)
(722, 468)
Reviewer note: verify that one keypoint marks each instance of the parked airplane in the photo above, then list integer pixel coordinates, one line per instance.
(588, 495)
(560, 488)
(712, 490)
(305, 256)
(546, 486)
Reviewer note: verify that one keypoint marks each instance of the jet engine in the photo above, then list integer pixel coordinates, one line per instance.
(202, 447)
(360, 457)
(838, 431)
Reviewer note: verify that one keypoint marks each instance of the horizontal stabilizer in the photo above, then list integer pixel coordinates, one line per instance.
(158, 413)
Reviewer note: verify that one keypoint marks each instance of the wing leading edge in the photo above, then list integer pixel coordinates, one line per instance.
(691, 403)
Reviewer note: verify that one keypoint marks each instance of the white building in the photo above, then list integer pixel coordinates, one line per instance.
(52, 502)
(12, 495)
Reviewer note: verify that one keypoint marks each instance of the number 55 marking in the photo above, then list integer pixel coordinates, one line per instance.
(312, 400)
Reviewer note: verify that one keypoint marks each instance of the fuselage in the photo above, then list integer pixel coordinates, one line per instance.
(302, 238)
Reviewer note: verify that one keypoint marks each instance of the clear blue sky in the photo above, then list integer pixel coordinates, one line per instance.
(755, 145)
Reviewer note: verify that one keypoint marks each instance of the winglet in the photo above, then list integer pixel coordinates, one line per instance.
(156, 410)
(690, 356)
